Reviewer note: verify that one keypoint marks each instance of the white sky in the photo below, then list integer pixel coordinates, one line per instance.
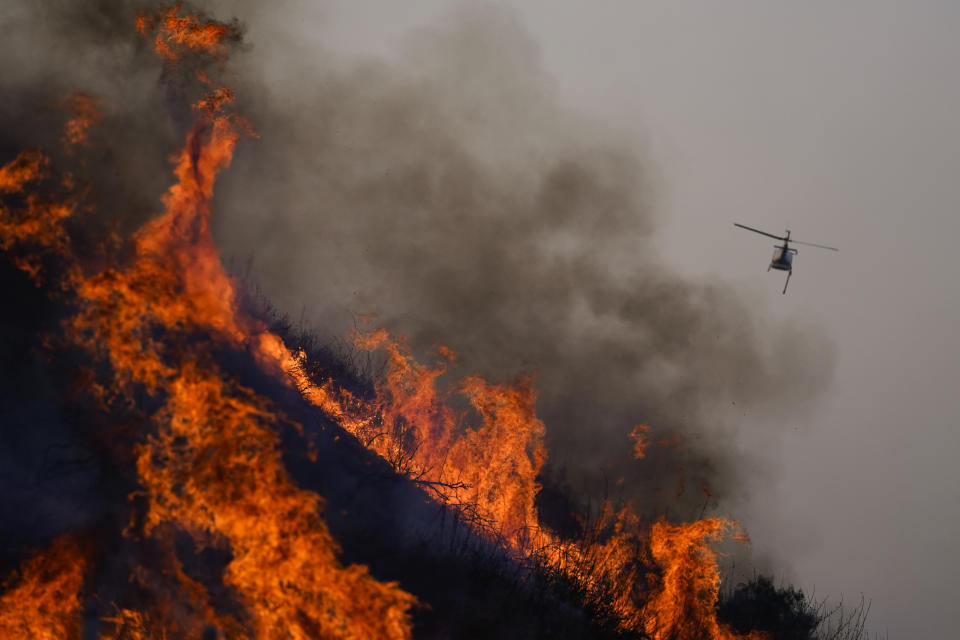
(841, 121)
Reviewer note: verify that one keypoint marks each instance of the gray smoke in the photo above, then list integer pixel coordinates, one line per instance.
(449, 192)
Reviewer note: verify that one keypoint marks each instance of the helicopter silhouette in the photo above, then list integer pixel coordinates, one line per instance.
(783, 256)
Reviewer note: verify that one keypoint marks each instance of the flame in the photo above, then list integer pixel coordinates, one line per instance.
(500, 459)
(176, 280)
(177, 35)
(228, 482)
(489, 470)
(43, 601)
(171, 604)
(26, 167)
(128, 625)
(684, 608)
(640, 436)
(86, 113)
(28, 219)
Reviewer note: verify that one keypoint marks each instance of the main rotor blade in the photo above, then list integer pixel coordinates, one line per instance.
(810, 244)
(763, 233)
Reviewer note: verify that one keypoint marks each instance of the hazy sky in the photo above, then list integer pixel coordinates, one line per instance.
(839, 120)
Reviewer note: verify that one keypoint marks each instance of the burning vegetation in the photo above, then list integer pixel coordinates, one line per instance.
(253, 487)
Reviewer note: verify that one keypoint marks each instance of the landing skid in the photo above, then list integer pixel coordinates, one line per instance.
(789, 273)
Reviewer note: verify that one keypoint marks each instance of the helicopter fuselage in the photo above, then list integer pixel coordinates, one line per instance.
(783, 258)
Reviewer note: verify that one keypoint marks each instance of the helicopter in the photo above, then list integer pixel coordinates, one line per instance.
(783, 256)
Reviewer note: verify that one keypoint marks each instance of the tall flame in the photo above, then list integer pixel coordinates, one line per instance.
(684, 607)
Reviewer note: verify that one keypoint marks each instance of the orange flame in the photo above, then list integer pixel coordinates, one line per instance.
(179, 35)
(43, 601)
(499, 460)
(26, 167)
(684, 608)
(86, 113)
(31, 220)
(490, 470)
(214, 468)
(640, 436)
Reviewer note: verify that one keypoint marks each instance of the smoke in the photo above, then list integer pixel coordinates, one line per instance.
(449, 192)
